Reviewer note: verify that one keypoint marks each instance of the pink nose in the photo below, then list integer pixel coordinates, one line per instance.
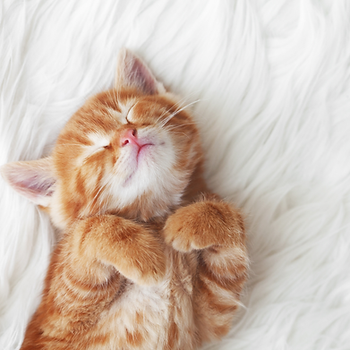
(129, 136)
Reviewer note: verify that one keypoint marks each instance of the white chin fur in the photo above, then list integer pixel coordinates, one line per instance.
(152, 170)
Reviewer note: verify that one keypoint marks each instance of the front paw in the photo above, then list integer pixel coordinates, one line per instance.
(133, 250)
(141, 258)
(202, 225)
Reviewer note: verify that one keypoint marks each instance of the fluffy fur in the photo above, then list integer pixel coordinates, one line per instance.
(273, 82)
(149, 258)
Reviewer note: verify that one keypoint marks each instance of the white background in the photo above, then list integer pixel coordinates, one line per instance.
(273, 81)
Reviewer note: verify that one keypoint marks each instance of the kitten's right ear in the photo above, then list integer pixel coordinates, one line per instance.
(32, 179)
(133, 72)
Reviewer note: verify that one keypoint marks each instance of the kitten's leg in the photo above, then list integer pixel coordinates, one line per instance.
(215, 230)
(82, 281)
(114, 241)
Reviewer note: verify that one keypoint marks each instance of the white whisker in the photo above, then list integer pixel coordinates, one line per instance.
(166, 120)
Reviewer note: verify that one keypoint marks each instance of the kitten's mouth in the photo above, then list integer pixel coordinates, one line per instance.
(140, 151)
(141, 148)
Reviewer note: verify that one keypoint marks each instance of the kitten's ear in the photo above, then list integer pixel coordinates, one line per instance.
(132, 72)
(32, 179)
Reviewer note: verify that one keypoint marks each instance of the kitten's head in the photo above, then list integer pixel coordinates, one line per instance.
(129, 150)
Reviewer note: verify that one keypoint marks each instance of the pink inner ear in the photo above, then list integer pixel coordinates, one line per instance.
(131, 71)
(32, 179)
(38, 186)
(142, 77)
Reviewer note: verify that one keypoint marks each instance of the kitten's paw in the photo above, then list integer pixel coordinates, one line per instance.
(202, 225)
(141, 258)
(132, 249)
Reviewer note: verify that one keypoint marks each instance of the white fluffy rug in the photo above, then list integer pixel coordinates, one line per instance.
(273, 79)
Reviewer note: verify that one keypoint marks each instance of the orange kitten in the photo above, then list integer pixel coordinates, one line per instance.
(149, 258)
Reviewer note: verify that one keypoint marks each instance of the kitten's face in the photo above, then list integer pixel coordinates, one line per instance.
(124, 152)
(130, 151)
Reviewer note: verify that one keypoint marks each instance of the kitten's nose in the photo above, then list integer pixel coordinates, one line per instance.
(129, 136)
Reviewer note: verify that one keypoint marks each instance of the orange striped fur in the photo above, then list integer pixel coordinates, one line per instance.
(149, 258)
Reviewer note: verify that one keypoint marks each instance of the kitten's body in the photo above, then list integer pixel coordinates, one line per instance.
(149, 259)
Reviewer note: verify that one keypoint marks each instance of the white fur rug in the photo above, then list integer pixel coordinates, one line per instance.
(273, 79)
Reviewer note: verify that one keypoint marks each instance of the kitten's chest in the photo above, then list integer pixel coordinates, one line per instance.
(156, 317)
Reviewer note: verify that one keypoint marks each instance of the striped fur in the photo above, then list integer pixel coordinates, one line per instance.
(149, 258)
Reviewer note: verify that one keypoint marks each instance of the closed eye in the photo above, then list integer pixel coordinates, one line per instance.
(97, 150)
(126, 117)
(92, 150)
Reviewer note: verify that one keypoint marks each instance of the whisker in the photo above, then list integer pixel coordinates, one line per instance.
(172, 127)
(166, 120)
(176, 105)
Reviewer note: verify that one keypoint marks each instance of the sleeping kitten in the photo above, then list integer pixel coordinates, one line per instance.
(149, 257)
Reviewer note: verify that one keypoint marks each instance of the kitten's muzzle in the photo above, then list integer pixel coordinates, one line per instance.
(129, 137)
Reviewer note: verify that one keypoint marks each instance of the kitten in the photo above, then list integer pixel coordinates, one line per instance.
(149, 257)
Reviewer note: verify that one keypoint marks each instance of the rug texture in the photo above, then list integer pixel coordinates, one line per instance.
(273, 80)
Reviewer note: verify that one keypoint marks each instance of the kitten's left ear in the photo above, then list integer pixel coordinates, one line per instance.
(32, 179)
(132, 72)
